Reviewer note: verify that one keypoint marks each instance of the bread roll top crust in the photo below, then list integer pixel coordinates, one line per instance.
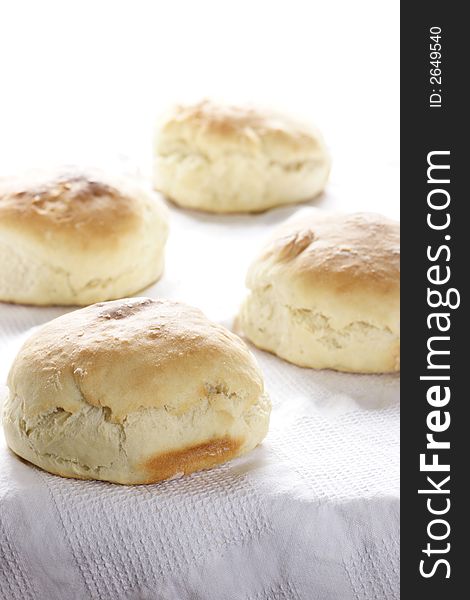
(132, 354)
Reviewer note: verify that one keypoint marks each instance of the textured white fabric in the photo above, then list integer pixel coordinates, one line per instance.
(311, 514)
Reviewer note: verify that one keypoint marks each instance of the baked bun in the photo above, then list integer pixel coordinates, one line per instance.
(325, 293)
(134, 391)
(226, 160)
(74, 237)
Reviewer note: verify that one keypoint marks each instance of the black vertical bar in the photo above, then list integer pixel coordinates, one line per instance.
(433, 119)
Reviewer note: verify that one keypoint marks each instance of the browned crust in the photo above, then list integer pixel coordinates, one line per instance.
(157, 349)
(191, 459)
(164, 466)
(342, 251)
(239, 124)
(73, 203)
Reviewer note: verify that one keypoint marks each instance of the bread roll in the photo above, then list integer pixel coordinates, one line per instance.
(224, 160)
(73, 238)
(134, 391)
(325, 293)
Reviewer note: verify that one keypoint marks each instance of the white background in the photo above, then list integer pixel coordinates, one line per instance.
(85, 80)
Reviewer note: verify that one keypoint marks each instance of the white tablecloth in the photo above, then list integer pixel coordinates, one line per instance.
(311, 514)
